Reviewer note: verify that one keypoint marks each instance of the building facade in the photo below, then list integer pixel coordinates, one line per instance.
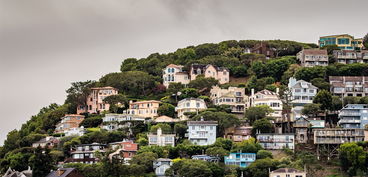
(95, 103)
(302, 92)
(161, 165)
(240, 159)
(125, 150)
(287, 172)
(202, 132)
(221, 74)
(353, 116)
(238, 133)
(343, 41)
(112, 122)
(350, 56)
(144, 108)
(161, 139)
(337, 135)
(262, 48)
(343, 86)
(233, 96)
(48, 141)
(269, 98)
(274, 141)
(312, 57)
(85, 153)
(189, 105)
(174, 74)
(69, 121)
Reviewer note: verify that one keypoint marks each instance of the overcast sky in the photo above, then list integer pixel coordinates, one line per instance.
(47, 44)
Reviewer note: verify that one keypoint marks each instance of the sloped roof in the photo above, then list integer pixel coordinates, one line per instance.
(174, 66)
(266, 92)
(315, 52)
(165, 119)
(298, 84)
(66, 172)
(287, 170)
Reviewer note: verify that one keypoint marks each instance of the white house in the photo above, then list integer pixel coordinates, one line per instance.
(190, 105)
(302, 92)
(233, 96)
(202, 132)
(269, 98)
(161, 165)
(75, 131)
(174, 73)
(160, 139)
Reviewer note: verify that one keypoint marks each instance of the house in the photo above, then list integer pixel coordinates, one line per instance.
(274, 141)
(174, 74)
(202, 132)
(165, 119)
(343, 86)
(337, 135)
(287, 172)
(144, 108)
(79, 131)
(353, 116)
(69, 121)
(13, 173)
(189, 105)
(350, 56)
(269, 98)
(65, 172)
(161, 139)
(233, 96)
(221, 74)
(312, 57)
(113, 122)
(48, 141)
(85, 153)
(301, 126)
(161, 165)
(263, 48)
(240, 159)
(95, 103)
(206, 158)
(238, 133)
(343, 41)
(125, 150)
(302, 92)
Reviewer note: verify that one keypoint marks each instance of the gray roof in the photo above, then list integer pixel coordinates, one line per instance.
(287, 170)
(67, 171)
(298, 84)
(202, 122)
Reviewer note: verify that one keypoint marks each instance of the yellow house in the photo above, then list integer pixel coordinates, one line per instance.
(343, 41)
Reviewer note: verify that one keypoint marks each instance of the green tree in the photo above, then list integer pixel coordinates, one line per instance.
(41, 162)
(189, 93)
(257, 112)
(91, 122)
(77, 94)
(166, 109)
(217, 152)
(261, 167)
(311, 109)
(352, 158)
(226, 144)
(180, 129)
(189, 167)
(129, 64)
(224, 120)
(166, 128)
(145, 159)
(351, 100)
(117, 103)
(263, 154)
(309, 73)
(336, 103)
(250, 146)
(324, 98)
(203, 83)
(262, 125)
(320, 83)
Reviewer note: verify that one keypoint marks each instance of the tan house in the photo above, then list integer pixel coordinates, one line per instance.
(95, 103)
(238, 133)
(144, 108)
(313, 57)
(161, 139)
(68, 122)
(269, 98)
(174, 74)
(165, 119)
(189, 105)
(219, 73)
(233, 96)
(288, 172)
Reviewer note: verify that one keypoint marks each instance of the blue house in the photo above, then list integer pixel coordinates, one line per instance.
(240, 159)
(353, 116)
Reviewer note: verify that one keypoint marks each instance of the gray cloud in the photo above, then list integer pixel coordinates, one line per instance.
(47, 44)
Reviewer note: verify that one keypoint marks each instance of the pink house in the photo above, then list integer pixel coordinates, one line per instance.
(219, 73)
(95, 103)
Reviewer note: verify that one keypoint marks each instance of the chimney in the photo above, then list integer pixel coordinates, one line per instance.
(159, 132)
(277, 90)
(252, 92)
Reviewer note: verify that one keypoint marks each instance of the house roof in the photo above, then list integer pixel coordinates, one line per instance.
(266, 92)
(165, 119)
(202, 67)
(314, 52)
(163, 160)
(174, 66)
(337, 35)
(287, 170)
(146, 101)
(104, 88)
(202, 122)
(65, 172)
(299, 84)
(191, 98)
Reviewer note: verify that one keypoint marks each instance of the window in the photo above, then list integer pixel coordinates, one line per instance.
(287, 175)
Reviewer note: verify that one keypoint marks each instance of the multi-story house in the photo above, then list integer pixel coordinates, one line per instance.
(312, 57)
(343, 41)
(189, 105)
(274, 141)
(95, 103)
(112, 122)
(269, 98)
(233, 96)
(263, 48)
(302, 92)
(144, 108)
(350, 56)
(349, 85)
(337, 135)
(287, 172)
(78, 131)
(301, 126)
(353, 116)
(85, 153)
(202, 132)
(240, 159)
(221, 74)
(161, 165)
(206, 158)
(238, 133)
(161, 139)
(48, 141)
(125, 150)
(174, 74)
(68, 122)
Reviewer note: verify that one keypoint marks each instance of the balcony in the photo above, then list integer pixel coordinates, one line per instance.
(344, 113)
(348, 121)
